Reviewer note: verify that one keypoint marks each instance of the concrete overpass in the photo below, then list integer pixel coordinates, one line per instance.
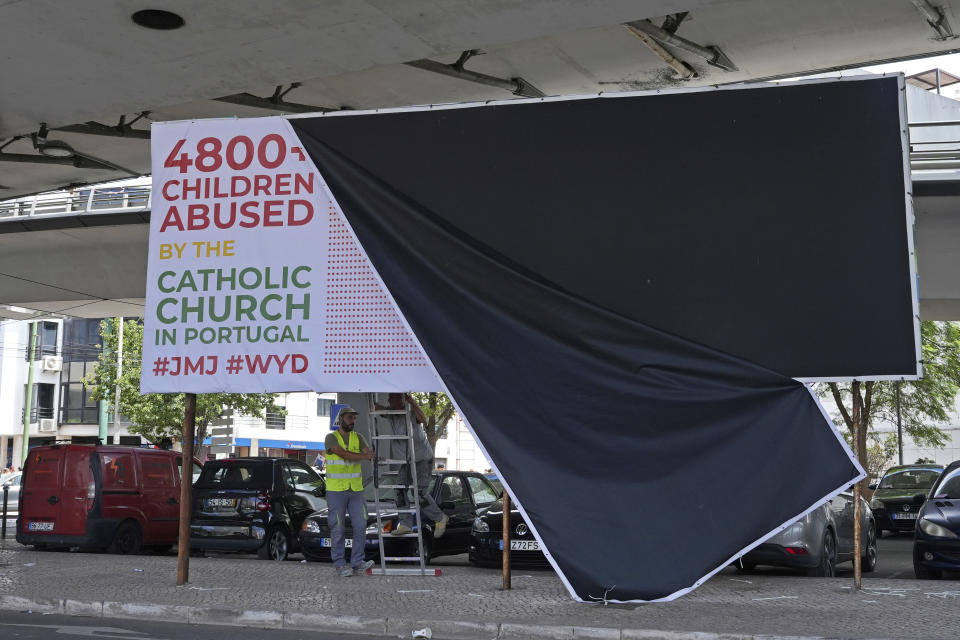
(80, 88)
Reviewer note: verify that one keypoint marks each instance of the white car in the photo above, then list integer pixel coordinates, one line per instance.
(13, 494)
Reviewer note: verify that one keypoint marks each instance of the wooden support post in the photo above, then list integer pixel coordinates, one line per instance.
(186, 489)
(506, 540)
(857, 417)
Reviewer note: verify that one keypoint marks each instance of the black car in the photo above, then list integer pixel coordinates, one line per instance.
(936, 544)
(253, 505)
(460, 494)
(895, 503)
(486, 540)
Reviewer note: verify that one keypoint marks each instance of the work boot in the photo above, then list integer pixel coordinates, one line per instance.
(401, 529)
(360, 569)
(344, 571)
(440, 527)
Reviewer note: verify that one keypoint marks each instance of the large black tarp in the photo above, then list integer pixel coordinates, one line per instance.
(768, 223)
(643, 460)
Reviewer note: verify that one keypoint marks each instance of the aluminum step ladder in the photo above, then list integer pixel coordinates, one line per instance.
(391, 480)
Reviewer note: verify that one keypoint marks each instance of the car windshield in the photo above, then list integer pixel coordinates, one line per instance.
(949, 485)
(236, 475)
(910, 479)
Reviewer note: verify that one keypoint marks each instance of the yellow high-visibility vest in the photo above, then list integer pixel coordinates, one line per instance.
(344, 475)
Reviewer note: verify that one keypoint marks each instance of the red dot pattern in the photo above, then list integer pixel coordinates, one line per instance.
(364, 334)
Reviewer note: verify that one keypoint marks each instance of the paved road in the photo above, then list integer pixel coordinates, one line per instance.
(42, 627)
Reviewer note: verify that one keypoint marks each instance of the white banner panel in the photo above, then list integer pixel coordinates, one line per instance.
(255, 281)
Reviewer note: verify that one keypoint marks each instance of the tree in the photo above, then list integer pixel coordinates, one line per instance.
(923, 403)
(438, 409)
(158, 416)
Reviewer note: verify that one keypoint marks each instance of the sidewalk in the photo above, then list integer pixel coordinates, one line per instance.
(465, 602)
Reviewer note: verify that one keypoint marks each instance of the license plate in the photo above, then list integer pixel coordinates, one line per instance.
(522, 545)
(221, 502)
(903, 516)
(326, 542)
(40, 526)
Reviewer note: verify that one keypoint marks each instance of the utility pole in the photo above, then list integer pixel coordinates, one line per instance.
(186, 489)
(899, 426)
(857, 417)
(28, 403)
(116, 394)
(506, 540)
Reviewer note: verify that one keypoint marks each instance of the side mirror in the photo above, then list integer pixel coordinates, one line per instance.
(319, 492)
(448, 506)
(920, 498)
(872, 487)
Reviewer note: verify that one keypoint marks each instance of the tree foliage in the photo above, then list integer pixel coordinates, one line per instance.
(157, 416)
(438, 410)
(924, 403)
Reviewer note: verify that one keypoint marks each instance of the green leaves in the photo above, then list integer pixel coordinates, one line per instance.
(157, 416)
(438, 409)
(924, 403)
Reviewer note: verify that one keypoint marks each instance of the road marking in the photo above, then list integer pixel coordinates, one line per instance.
(778, 598)
(88, 632)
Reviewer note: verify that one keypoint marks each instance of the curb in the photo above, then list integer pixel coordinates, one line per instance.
(397, 627)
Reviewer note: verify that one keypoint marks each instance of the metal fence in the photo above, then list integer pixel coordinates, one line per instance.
(90, 200)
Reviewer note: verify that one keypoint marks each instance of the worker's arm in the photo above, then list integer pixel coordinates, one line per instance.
(337, 450)
(422, 419)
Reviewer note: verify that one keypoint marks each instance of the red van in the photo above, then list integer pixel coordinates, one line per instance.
(115, 498)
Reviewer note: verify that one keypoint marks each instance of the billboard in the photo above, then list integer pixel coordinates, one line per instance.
(622, 295)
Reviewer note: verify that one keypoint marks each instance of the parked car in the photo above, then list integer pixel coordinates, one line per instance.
(819, 540)
(936, 544)
(12, 481)
(495, 481)
(460, 494)
(893, 501)
(253, 505)
(486, 540)
(104, 497)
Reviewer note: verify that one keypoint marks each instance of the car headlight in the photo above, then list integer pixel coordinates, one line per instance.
(480, 526)
(935, 530)
(310, 526)
(876, 504)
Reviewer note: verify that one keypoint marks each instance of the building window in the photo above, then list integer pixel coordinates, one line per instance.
(41, 405)
(45, 341)
(276, 420)
(323, 407)
(77, 405)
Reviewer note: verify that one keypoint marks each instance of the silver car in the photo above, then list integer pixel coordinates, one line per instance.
(13, 498)
(819, 540)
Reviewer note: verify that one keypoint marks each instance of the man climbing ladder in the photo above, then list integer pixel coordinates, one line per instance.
(423, 465)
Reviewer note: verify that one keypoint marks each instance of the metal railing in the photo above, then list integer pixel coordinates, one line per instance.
(110, 199)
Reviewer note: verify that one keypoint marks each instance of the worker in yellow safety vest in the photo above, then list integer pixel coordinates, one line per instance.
(345, 450)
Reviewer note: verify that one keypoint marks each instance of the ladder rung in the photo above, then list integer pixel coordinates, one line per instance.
(388, 412)
(395, 486)
(391, 437)
(391, 461)
(387, 536)
(404, 510)
(404, 572)
(402, 558)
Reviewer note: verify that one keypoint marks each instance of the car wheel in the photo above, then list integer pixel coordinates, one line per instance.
(869, 559)
(828, 558)
(127, 539)
(922, 572)
(276, 546)
(414, 550)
